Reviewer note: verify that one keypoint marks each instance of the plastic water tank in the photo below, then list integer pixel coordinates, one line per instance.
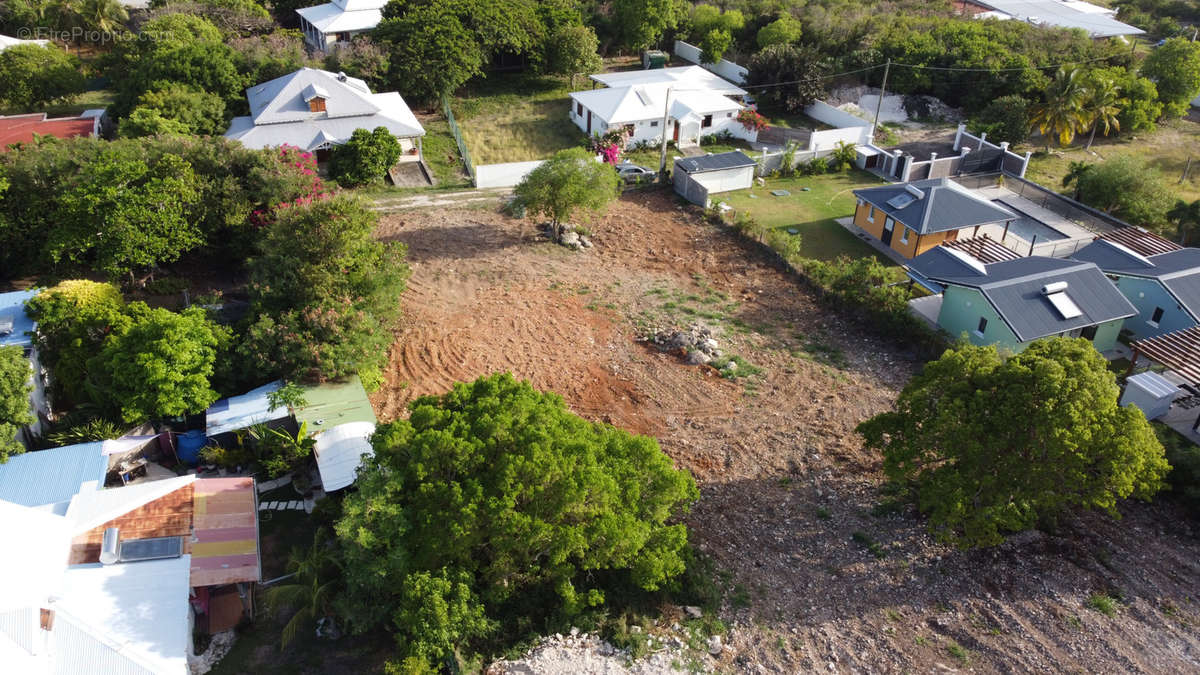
(188, 445)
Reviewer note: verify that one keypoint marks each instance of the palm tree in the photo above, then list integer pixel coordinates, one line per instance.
(1074, 175)
(105, 16)
(1102, 105)
(1184, 214)
(316, 574)
(1062, 111)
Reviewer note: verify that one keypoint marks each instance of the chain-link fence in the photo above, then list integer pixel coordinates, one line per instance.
(458, 138)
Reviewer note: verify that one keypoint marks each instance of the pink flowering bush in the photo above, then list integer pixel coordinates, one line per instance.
(611, 144)
(751, 120)
(289, 178)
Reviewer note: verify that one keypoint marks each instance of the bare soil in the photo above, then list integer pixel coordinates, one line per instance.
(788, 493)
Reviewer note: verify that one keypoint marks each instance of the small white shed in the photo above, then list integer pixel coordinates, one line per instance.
(698, 177)
(1150, 392)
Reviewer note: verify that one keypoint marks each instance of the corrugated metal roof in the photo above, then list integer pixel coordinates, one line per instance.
(55, 475)
(1178, 271)
(1153, 383)
(718, 162)
(12, 309)
(239, 412)
(225, 532)
(680, 77)
(340, 451)
(124, 618)
(1014, 289)
(945, 206)
(335, 403)
(1061, 15)
(1141, 241)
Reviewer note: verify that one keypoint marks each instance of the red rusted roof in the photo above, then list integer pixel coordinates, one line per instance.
(21, 128)
(983, 248)
(1140, 241)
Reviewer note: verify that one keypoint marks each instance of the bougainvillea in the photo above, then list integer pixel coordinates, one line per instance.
(611, 144)
(295, 173)
(751, 120)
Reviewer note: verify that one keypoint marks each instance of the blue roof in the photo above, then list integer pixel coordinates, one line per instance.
(12, 308)
(239, 412)
(50, 476)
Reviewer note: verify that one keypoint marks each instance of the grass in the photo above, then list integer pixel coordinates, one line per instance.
(517, 118)
(781, 118)
(1167, 149)
(1103, 603)
(959, 652)
(863, 539)
(811, 213)
(98, 98)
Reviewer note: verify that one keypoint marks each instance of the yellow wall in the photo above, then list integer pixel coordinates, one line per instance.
(908, 249)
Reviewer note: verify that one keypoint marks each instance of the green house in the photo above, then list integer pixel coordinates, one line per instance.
(1010, 303)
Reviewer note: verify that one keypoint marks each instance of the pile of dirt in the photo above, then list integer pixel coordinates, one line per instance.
(821, 576)
(589, 655)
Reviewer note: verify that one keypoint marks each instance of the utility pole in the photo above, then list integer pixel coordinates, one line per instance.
(879, 104)
(662, 157)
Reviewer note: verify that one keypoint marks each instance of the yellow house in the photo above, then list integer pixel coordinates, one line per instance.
(913, 218)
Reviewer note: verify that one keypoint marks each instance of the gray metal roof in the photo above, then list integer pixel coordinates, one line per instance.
(1062, 14)
(1014, 289)
(724, 160)
(50, 476)
(1178, 271)
(945, 205)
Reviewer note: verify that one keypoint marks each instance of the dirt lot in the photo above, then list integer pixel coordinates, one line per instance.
(788, 494)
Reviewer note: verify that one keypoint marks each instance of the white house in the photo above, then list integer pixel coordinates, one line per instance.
(15, 326)
(695, 102)
(338, 21)
(315, 110)
(1099, 22)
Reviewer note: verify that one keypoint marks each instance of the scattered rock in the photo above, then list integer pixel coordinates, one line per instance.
(571, 240)
(693, 611)
(714, 645)
(697, 357)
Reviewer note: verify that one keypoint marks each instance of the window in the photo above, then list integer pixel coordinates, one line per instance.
(1156, 317)
(654, 123)
(871, 214)
(982, 328)
(729, 114)
(579, 109)
(317, 104)
(707, 122)
(904, 236)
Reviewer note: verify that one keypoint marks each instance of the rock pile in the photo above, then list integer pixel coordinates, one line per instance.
(570, 238)
(695, 344)
(584, 654)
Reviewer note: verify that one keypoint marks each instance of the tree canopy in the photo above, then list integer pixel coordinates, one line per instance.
(1127, 188)
(1174, 68)
(32, 76)
(569, 181)
(431, 52)
(992, 445)
(641, 23)
(781, 31)
(15, 388)
(365, 158)
(160, 366)
(790, 76)
(493, 505)
(176, 108)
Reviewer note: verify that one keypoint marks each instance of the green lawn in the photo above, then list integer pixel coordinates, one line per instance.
(649, 157)
(812, 213)
(1167, 149)
(517, 117)
(99, 98)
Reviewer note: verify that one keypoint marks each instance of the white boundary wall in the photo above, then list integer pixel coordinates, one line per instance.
(823, 112)
(726, 69)
(503, 175)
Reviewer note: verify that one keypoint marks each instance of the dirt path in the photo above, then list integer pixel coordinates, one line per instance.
(423, 200)
(786, 488)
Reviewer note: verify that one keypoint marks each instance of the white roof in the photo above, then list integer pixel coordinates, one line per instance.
(1153, 383)
(1062, 15)
(635, 103)
(37, 545)
(690, 77)
(115, 618)
(89, 510)
(340, 451)
(279, 114)
(54, 475)
(6, 42)
(330, 18)
(360, 5)
(239, 412)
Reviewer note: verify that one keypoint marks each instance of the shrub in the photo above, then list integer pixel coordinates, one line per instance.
(15, 375)
(365, 158)
(32, 76)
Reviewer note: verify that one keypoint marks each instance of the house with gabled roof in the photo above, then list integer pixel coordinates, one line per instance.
(339, 21)
(315, 110)
(1164, 287)
(916, 217)
(695, 102)
(18, 129)
(1010, 303)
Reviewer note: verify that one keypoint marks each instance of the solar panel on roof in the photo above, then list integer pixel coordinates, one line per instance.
(1064, 304)
(901, 201)
(155, 548)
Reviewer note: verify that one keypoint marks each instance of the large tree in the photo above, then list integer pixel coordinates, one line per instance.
(432, 53)
(32, 76)
(159, 367)
(569, 181)
(641, 23)
(1102, 105)
(125, 215)
(782, 31)
(15, 388)
(1061, 112)
(1128, 188)
(992, 445)
(1175, 69)
(786, 76)
(193, 111)
(571, 50)
(493, 505)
